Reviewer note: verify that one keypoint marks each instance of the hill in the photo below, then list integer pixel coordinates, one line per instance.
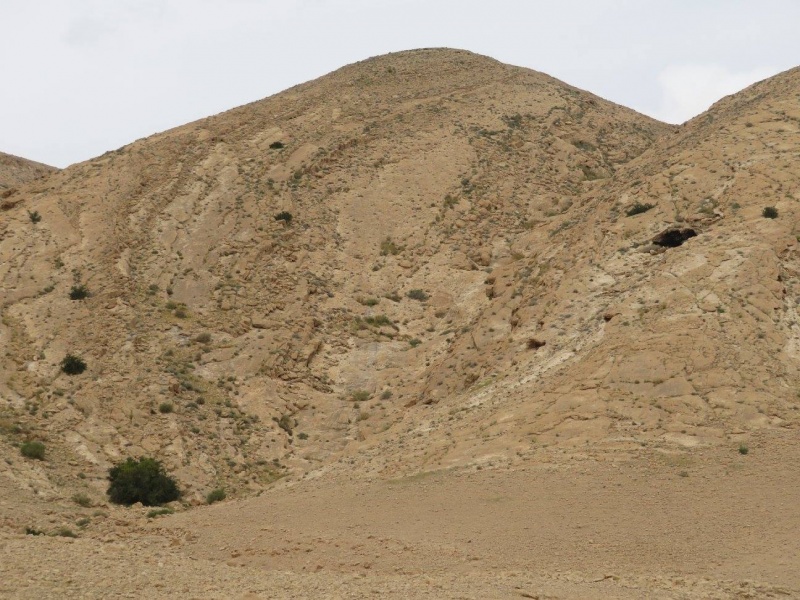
(424, 262)
(253, 328)
(15, 171)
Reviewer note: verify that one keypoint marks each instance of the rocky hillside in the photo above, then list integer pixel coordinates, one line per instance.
(423, 260)
(15, 171)
(659, 309)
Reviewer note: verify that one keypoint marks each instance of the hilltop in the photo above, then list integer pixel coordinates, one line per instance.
(15, 171)
(425, 262)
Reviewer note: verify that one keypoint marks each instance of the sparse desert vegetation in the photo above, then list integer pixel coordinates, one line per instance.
(387, 314)
(141, 480)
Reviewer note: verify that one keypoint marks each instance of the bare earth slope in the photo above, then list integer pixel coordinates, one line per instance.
(395, 181)
(15, 171)
(638, 344)
(425, 262)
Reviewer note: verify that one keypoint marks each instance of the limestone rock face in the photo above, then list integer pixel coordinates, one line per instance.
(419, 259)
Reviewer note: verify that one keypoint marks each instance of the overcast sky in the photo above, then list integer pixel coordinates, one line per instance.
(80, 77)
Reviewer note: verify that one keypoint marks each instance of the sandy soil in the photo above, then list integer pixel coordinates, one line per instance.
(710, 524)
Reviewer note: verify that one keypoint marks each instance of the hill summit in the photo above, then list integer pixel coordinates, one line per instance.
(15, 171)
(426, 260)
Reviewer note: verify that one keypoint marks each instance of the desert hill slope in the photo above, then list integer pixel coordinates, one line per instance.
(15, 171)
(245, 329)
(431, 287)
(642, 344)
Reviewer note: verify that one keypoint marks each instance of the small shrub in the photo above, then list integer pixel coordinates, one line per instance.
(743, 449)
(203, 338)
(534, 344)
(386, 394)
(33, 531)
(82, 500)
(73, 365)
(165, 408)
(157, 512)
(65, 532)
(181, 313)
(368, 301)
(215, 496)
(414, 343)
(418, 295)
(34, 216)
(388, 247)
(639, 208)
(78, 292)
(360, 395)
(285, 423)
(141, 480)
(276, 145)
(83, 522)
(284, 216)
(302, 436)
(770, 212)
(378, 321)
(32, 450)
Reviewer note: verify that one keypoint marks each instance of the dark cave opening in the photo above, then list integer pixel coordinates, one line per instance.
(672, 238)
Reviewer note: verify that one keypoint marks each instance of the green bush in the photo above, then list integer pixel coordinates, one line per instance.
(743, 449)
(78, 292)
(360, 395)
(284, 216)
(73, 365)
(32, 450)
(157, 512)
(65, 532)
(82, 500)
(379, 321)
(638, 209)
(417, 295)
(215, 496)
(285, 423)
(770, 212)
(388, 247)
(165, 408)
(276, 145)
(34, 216)
(141, 480)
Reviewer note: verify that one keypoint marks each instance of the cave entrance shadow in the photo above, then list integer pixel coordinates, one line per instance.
(672, 238)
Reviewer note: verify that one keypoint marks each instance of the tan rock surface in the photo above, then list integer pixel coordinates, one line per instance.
(460, 290)
(15, 172)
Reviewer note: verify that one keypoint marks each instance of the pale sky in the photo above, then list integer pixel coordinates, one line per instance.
(80, 77)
